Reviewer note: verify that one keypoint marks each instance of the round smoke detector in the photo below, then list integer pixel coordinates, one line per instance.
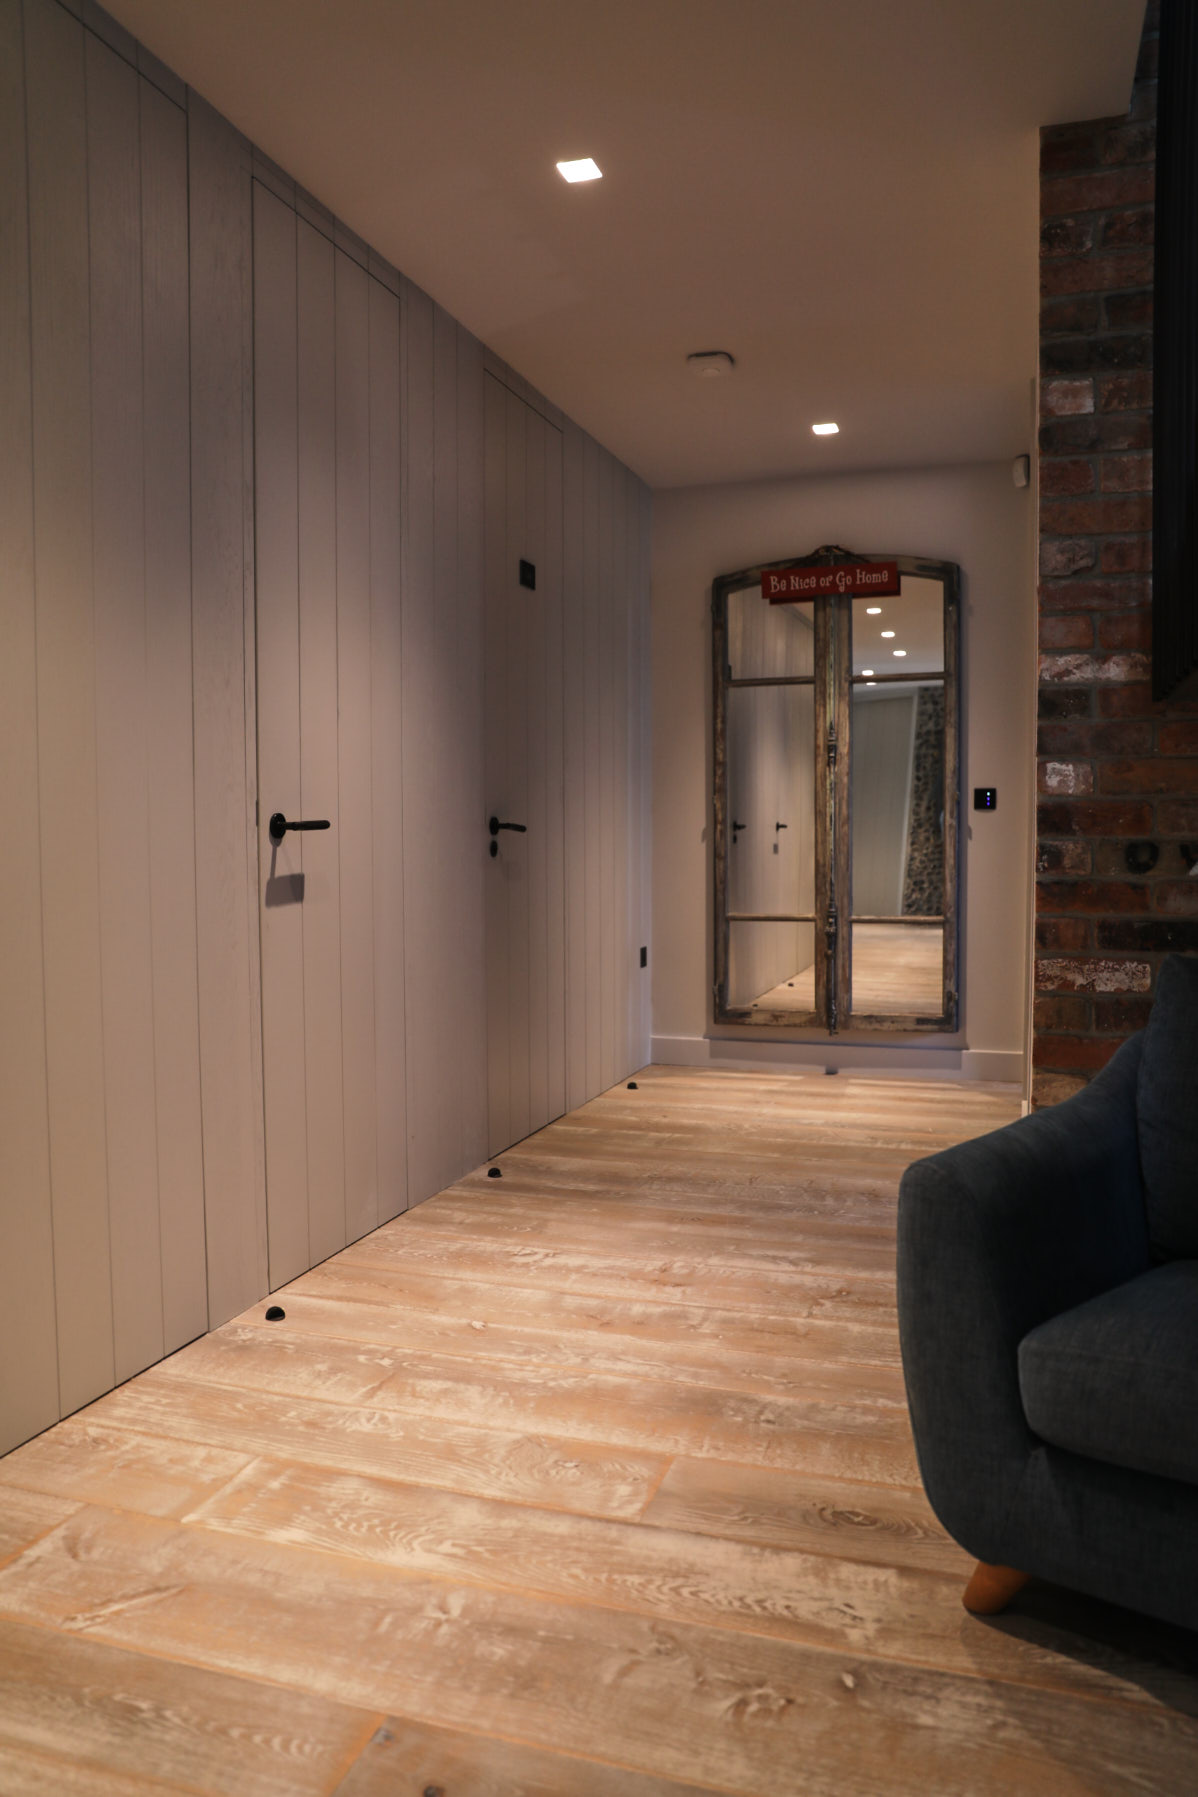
(711, 364)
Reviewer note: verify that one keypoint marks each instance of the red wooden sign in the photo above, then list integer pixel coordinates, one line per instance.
(785, 586)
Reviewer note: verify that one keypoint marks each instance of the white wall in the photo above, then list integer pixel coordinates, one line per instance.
(971, 515)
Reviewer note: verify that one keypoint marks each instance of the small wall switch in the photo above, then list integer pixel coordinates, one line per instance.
(528, 575)
(644, 957)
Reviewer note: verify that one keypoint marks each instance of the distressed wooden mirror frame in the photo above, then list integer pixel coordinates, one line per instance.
(832, 683)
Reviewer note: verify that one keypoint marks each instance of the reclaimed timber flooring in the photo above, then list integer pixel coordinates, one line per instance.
(595, 1481)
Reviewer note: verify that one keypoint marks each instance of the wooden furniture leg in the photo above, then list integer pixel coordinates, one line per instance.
(991, 1588)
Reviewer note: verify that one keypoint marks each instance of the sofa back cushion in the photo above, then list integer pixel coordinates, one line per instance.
(1167, 1112)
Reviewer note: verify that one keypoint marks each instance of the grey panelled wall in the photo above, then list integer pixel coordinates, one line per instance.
(133, 1180)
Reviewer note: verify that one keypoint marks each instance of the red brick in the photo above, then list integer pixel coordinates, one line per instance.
(1069, 316)
(1065, 779)
(1059, 477)
(1094, 595)
(1126, 229)
(1089, 355)
(1131, 701)
(1121, 270)
(1119, 669)
(1100, 897)
(1148, 774)
(1127, 555)
(1126, 144)
(1110, 860)
(1177, 898)
(1063, 702)
(1096, 193)
(1068, 517)
(1061, 399)
(1149, 935)
(1093, 431)
(1068, 236)
(1062, 1011)
(1178, 739)
(1120, 1015)
(1125, 392)
(1178, 817)
(1123, 474)
(1064, 148)
(1068, 857)
(1073, 631)
(1081, 737)
(1065, 934)
(1094, 817)
(1073, 1054)
(1126, 630)
(1124, 311)
(1068, 555)
(1088, 974)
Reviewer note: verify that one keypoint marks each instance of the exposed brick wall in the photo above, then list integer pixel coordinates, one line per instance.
(1114, 768)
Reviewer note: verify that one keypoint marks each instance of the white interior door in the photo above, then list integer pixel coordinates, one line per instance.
(526, 873)
(327, 494)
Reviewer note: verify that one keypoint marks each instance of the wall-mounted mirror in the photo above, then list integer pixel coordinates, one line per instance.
(836, 793)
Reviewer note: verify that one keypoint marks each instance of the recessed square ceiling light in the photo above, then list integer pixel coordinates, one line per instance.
(888, 633)
(586, 169)
(873, 610)
(898, 651)
(826, 430)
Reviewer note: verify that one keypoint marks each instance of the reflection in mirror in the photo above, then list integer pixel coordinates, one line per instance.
(771, 836)
(756, 952)
(768, 641)
(898, 847)
(903, 635)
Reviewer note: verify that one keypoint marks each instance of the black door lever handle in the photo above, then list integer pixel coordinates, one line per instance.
(495, 827)
(279, 825)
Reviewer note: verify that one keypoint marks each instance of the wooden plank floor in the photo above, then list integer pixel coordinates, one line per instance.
(593, 1481)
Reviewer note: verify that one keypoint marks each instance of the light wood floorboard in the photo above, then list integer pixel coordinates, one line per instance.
(595, 1481)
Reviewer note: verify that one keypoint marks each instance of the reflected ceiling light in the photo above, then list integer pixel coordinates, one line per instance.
(867, 670)
(871, 683)
(585, 169)
(826, 430)
(873, 610)
(898, 651)
(888, 633)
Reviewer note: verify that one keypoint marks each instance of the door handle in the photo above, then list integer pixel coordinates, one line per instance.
(778, 827)
(494, 825)
(279, 825)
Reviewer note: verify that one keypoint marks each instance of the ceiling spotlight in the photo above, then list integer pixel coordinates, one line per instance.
(898, 651)
(711, 364)
(888, 633)
(867, 670)
(873, 610)
(586, 169)
(826, 430)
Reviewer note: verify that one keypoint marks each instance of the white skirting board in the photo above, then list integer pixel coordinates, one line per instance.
(877, 1059)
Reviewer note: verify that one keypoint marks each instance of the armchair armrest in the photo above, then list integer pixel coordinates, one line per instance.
(994, 1237)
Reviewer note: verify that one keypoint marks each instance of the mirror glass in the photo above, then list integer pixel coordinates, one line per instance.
(768, 641)
(771, 837)
(897, 791)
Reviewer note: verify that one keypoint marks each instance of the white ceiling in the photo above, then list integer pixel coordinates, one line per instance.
(842, 193)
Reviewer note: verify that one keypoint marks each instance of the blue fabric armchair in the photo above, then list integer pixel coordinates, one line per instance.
(1048, 1309)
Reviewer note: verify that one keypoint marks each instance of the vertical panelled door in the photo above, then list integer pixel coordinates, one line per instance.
(524, 839)
(327, 497)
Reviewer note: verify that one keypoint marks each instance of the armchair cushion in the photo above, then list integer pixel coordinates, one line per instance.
(1167, 1112)
(1116, 1379)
